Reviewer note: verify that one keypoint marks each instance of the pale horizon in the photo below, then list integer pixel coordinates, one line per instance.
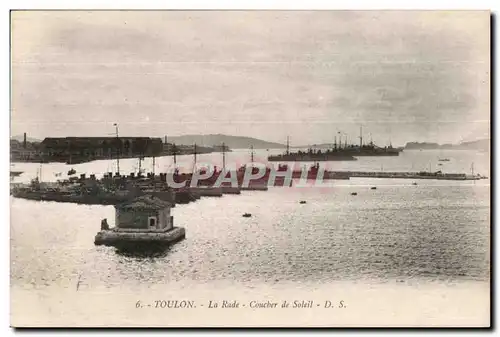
(278, 142)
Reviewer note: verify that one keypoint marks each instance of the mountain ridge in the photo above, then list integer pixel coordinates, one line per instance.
(233, 142)
(480, 144)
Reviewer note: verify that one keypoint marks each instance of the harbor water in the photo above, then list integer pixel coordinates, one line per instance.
(399, 242)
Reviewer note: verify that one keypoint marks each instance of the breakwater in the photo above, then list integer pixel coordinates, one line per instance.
(112, 190)
(407, 175)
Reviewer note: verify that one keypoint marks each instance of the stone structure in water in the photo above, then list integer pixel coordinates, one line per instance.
(142, 223)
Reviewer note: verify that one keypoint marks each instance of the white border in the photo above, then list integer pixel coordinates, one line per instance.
(255, 4)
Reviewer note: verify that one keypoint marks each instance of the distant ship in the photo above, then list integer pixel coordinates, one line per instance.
(369, 149)
(339, 152)
(312, 155)
(16, 173)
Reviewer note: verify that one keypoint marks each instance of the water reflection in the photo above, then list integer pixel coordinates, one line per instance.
(438, 230)
(144, 251)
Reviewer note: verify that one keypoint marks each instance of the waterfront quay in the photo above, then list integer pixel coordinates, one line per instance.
(409, 175)
(76, 150)
(188, 187)
(113, 190)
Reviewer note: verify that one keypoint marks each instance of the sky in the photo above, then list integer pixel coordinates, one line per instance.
(309, 75)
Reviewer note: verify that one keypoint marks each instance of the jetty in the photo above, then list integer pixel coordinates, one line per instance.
(115, 189)
(407, 175)
(314, 172)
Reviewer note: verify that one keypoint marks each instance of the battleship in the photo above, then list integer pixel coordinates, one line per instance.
(312, 155)
(369, 149)
(340, 152)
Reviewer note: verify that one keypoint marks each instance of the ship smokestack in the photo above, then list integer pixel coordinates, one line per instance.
(24, 140)
(360, 137)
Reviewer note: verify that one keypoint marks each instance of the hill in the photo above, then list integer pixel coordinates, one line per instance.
(478, 145)
(233, 142)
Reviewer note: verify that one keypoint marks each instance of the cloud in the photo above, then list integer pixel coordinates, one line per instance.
(270, 68)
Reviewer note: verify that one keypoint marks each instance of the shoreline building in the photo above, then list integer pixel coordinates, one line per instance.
(24, 151)
(82, 149)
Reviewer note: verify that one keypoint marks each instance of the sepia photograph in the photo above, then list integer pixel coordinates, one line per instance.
(250, 168)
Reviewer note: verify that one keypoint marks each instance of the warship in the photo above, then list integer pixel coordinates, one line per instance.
(369, 149)
(339, 152)
(312, 155)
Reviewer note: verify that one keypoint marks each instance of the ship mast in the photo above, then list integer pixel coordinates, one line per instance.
(335, 142)
(194, 162)
(174, 150)
(223, 156)
(360, 137)
(117, 149)
(287, 145)
(251, 154)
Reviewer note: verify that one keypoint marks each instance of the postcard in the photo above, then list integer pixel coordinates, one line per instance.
(264, 168)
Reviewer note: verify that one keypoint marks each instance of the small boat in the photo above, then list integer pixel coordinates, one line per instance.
(71, 172)
(58, 174)
(302, 201)
(247, 215)
(415, 184)
(16, 173)
(373, 188)
(444, 159)
(354, 193)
